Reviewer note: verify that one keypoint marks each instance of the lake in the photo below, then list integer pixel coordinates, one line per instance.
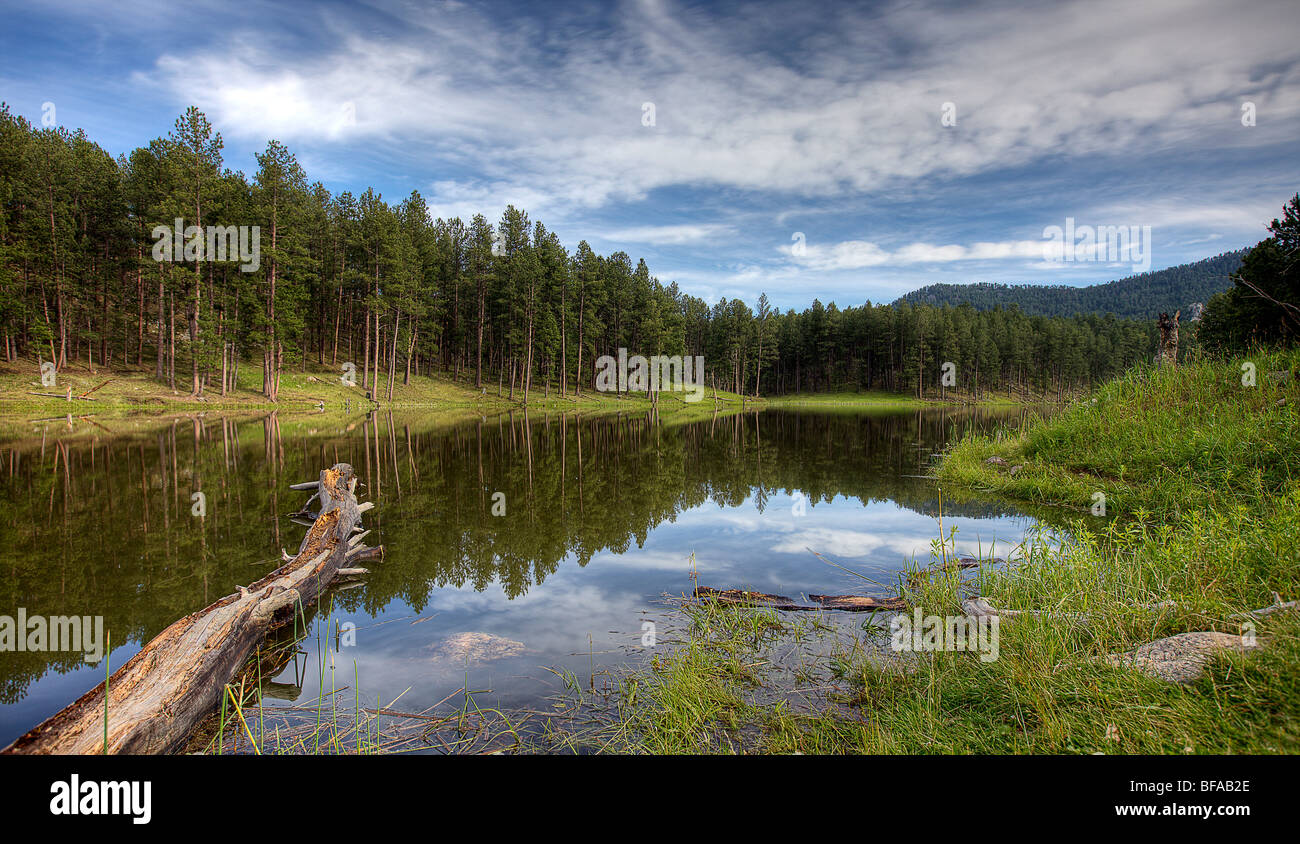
(518, 547)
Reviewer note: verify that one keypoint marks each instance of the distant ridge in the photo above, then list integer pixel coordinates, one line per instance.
(1137, 297)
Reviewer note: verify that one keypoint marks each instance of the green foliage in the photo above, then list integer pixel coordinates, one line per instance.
(1263, 305)
(1141, 296)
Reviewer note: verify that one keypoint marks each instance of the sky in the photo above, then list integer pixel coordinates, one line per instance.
(845, 152)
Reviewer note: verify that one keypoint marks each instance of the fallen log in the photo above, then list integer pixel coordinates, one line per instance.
(978, 606)
(1278, 604)
(93, 389)
(59, 396)
(363, 553)
(857, 603)
(157, 698)
(848, 603)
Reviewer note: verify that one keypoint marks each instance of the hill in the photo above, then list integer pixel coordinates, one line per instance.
(1136, 297)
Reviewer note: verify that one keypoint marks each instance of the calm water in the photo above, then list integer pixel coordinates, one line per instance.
(601, 516)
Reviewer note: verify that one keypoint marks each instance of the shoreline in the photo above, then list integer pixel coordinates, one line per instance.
(1201, 472)
(135, 390)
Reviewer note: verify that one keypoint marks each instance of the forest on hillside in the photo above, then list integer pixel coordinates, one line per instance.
(355, 278)
(1143, 296)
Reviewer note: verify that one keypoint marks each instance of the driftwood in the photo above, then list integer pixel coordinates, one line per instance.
(857, 603)
(978, 606)
(160, 694)
(849, 603)
(1278, 604)
(361, 554)
(93, 389)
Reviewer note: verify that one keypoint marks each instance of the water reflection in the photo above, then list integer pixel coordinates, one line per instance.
(600, 515)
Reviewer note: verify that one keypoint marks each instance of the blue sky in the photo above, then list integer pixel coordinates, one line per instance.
(796, 148)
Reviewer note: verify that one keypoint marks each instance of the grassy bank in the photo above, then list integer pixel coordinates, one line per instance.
(1201, 478)
(130, 401)
(134, 390)
(881, 398)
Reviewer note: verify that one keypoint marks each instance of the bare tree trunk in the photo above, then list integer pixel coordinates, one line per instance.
(392, 358)
(157, 698)
(378, 345)
(365, 354)
(478, 357)
(1168, 355)
(196, 387)
(528, 369)
(577, 381)
(410, 351)
(139, 293)
(338, 312)
(171, 354)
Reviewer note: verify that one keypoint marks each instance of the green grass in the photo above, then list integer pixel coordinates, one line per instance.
(1164, 442)
(337, 721)
(1203, 510)
(881, 398)
(133, 404)
(694, 701)
(134, 389)
(868, 398)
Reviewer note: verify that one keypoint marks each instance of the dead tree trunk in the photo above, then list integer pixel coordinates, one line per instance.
(161, 693)
(1168, 339)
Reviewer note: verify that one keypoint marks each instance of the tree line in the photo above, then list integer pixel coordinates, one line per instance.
(344, 278)
(1140, 296)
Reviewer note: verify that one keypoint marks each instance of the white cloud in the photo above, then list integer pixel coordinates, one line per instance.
(824, 121)
(857, 254)
(670, 234)
(565, 120)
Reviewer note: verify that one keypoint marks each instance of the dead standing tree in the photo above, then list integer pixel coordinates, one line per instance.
(161, 693)
(1168, 340)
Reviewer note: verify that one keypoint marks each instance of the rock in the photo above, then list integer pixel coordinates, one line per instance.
(1181, 658)
(996, 461)
(475, 647)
